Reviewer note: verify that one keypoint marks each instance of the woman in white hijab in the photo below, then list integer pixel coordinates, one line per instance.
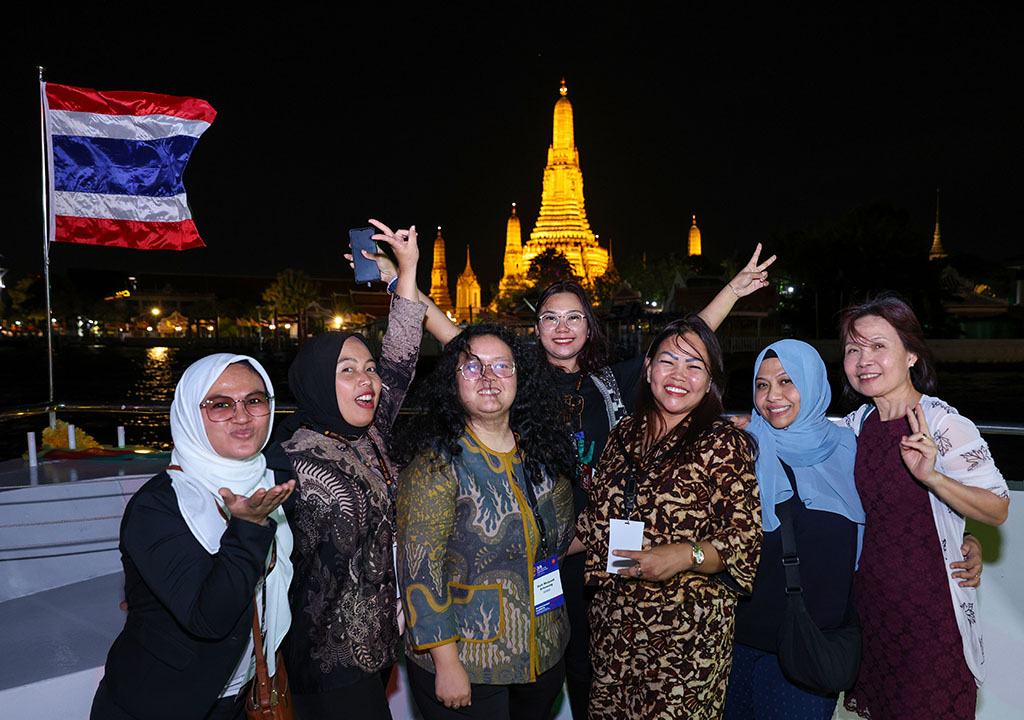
(204, 545)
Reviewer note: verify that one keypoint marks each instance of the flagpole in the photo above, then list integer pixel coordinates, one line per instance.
(46, 226)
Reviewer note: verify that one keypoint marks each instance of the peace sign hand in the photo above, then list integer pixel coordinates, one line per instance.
(753, 276)
(918, 449)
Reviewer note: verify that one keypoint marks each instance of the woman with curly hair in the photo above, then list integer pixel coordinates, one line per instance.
(594, 393)
(483, 506)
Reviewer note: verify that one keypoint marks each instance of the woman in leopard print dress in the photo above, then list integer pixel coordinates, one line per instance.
(662, 624)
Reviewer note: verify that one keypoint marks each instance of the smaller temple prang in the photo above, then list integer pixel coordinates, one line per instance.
(439, 276)
(467, 294)
(937, 251)
(693, 244)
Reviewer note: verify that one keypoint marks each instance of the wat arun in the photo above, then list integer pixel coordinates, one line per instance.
(562, 222)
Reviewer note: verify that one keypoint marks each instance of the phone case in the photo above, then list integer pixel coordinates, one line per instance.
(362, 239)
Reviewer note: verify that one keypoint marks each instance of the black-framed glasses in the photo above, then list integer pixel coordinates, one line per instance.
(573, 319)
(221, 408)
(474, 369)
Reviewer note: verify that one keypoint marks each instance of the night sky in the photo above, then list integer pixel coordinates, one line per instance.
(758, 124)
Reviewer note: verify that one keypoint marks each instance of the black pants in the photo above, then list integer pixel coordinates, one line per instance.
(104, 708)
(526, 701)
(365, 699)
(578, 673)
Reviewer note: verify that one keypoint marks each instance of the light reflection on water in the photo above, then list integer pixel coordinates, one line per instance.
(157, 379)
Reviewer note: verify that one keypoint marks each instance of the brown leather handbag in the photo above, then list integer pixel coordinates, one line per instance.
(268, 698)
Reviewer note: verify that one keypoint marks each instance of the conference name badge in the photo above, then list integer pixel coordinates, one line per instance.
(547, 586)
(623, 535)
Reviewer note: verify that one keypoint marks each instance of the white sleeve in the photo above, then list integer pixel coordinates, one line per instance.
(964, 455)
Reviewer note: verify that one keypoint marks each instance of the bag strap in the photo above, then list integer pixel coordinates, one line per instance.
(790, 558)
(261, 688)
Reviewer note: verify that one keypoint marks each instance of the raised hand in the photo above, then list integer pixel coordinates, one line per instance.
(753, 276)
(403, 242)
(385, 265)
(257, 507)
(918, 449)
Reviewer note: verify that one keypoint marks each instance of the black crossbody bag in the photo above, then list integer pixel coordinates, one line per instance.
(820, 661)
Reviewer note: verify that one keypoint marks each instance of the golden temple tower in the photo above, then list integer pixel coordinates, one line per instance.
(439, 276)
(693, 247)
(513, 251)
(562, 222)
(467, 294)
(937, 252)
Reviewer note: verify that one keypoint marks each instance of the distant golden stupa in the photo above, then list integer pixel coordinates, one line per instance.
(693, 246)
(937, 252)
(467, 294)
(513, 251)
(562, 223)
(439, 276)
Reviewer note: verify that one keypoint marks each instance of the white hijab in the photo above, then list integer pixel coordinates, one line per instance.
(203, 472)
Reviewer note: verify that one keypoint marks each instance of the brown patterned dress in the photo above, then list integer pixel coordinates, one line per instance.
(663, 649)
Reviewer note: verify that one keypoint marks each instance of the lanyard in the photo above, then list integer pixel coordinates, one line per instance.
(531, 494)
(630, 498)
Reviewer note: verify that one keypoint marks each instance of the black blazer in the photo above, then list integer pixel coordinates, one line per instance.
(189, 613)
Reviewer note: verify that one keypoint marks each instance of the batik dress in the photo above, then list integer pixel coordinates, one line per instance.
(344, 625)
(663, 649)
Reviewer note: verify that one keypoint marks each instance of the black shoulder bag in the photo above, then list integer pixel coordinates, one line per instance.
(820, 661)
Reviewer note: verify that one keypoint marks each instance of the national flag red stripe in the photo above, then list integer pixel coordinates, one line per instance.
(128, 233)
(65, 97)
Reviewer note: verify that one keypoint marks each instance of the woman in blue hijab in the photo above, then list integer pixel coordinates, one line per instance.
(805, 462)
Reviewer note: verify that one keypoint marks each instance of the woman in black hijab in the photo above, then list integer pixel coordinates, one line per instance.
(345, 630)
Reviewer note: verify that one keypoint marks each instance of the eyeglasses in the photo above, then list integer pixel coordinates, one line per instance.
(474, 369)
(573, 320)
(221, 408)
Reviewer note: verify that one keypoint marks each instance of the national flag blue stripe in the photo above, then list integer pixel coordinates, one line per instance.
(121, 167)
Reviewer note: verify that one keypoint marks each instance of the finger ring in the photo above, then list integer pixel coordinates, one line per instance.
(639, 571)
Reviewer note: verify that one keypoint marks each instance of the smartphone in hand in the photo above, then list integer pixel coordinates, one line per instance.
(362, 239)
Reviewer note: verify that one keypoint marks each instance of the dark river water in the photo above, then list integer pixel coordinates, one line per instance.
(118, 374)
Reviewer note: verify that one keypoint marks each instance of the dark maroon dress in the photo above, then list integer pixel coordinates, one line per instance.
(913, 665)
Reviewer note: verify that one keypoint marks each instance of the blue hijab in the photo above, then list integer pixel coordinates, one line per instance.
(820, 452)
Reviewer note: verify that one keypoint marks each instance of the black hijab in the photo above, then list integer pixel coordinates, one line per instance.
(311, 378)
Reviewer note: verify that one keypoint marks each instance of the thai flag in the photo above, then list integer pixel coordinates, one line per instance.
(115, 166)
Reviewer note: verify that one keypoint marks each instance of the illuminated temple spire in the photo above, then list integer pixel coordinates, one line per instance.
(693, 247)
(439, 276)
(937, 252)
(467, 294)
(513, 250)
(562, 222)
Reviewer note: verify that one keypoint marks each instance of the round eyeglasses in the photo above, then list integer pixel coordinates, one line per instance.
(474, 369)
(221, 408)
(573, 320)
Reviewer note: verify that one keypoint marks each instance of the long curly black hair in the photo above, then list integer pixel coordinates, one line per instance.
(535, 418)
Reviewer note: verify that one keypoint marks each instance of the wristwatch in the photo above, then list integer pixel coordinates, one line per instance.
(698, 554)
